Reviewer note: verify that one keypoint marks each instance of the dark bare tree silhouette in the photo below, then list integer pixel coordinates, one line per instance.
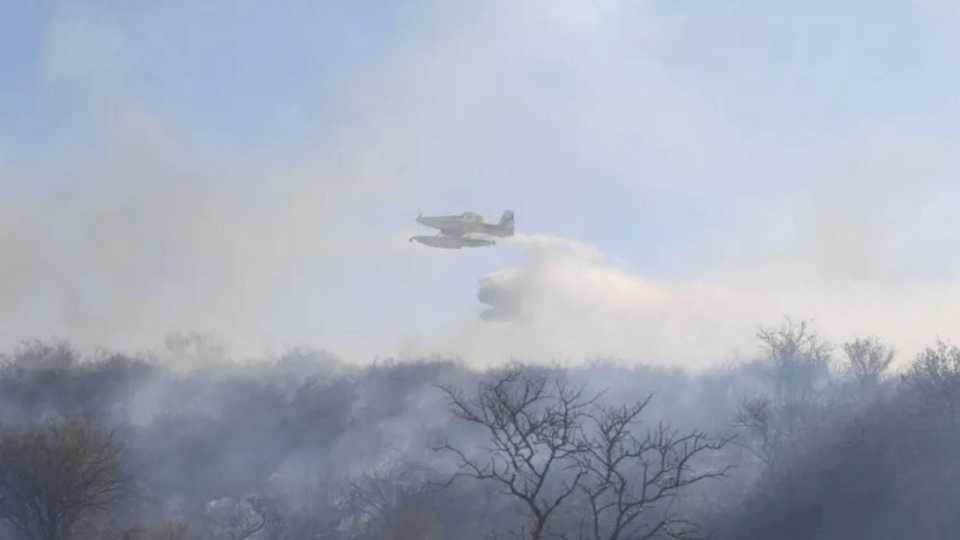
(533, 423)
(55, 475)
(866, 360)
(551, 445)
(631, 480)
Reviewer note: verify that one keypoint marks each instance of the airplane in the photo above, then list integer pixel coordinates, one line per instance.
(469, 222)
(454, 230)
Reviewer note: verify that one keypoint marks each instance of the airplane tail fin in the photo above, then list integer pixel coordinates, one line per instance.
(506, 221)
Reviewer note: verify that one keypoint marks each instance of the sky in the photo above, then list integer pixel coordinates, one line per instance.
(682, 173)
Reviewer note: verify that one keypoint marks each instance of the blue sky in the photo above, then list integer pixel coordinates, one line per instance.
(187, 60)
(251, 169)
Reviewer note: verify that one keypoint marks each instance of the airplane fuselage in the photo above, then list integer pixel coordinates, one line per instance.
(453, 225)
(469, 223)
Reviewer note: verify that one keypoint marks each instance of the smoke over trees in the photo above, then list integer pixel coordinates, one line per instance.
(805, 440)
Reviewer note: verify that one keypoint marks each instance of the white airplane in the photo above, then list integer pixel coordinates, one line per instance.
(454, 230)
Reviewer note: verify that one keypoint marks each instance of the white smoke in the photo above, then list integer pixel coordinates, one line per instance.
(567, 302)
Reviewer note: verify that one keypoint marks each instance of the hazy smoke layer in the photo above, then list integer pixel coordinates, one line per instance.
(188, 193)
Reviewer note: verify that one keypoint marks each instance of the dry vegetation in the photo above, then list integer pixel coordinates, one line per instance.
(806, 441)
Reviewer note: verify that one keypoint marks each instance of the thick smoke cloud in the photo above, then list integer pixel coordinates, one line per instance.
(568, 301)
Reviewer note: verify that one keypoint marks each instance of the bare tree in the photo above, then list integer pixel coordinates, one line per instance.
(532, 422)
(552, 446)
(757, 417)
(797, 361)
(866, 360)
(40, 355)
(935, 376)
(230, 519)
(630, 481)
(393, 503)
(55, 475)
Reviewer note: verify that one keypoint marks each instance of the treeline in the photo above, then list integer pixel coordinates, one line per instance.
(806, 440)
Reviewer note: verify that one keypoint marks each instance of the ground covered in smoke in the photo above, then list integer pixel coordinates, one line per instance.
(809, 441)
